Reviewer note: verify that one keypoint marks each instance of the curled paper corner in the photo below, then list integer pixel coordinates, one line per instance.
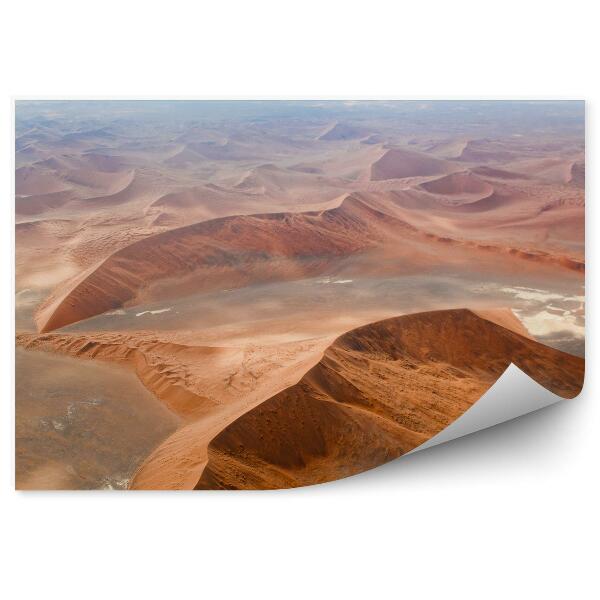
(513, 395)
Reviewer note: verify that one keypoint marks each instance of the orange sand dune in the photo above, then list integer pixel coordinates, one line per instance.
(109, 182)
(458, 184)
(262, 189)
(195, 153)
(231, 249)
(206, 386)
(29, 154)
(87, 173)
(398, 163)
(557, 170)
(521, 206)
(183, 158)
(190, 198)
(270, 178)
(435, 364)
(340, 131)
(497, 173)
(578, 175)
(484, 151)
(167, 368)
(58, 163)
(306, 168)
(229, 149)
(104, 162)
(199, 203)
(422, 197)
(91, 161)
(505, 318)
(40, 263)
(39, 135)
(127, 189)
(260, 372)
(538, 257)
(303, 186)
(87, 136)
(39, 203)
(449, 149)
(378, 392)
(33, 180)
(494, 201)
(374, 138)
(237, 251)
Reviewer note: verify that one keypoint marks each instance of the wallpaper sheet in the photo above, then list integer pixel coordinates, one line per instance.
(274, 294)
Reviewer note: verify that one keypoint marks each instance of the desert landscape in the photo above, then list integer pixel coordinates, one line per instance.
(272, 294)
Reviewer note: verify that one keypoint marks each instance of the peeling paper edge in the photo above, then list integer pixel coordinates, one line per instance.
(514, 394)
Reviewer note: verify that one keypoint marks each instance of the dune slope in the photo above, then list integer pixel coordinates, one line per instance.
(378, 392)
(232, 250)
(462, 183)
(398, 163)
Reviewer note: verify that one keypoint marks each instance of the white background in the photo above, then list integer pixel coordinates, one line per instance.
(508, 513)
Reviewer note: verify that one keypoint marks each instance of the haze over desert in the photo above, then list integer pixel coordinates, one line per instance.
(270, 294)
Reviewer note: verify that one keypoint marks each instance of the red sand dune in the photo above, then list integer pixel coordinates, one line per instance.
(88, 161)
(183, 158)
(200, 203)
(58, 163)
(196, 153)
(398, 163)
(457, 184)
(497, 173)
(578, 175)
(556, 170)
(129, 188)
(104, 162)
(163, 365)
(450, 149)
(374, 138)
(39, 203)
(378, 392)
(493, 201)
(341, 131)
(482, 151)
(226, 250)
(306, 168)
(280, 416)
(272, 181)
(193, 197)
(207, 386)
(240, 250)
(33, 180)
(535, 256)
(270, 178)
(108, 182)
(261, 190)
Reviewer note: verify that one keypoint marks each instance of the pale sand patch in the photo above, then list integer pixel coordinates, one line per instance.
(546, 323)
(153, 312)
(540, 295)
